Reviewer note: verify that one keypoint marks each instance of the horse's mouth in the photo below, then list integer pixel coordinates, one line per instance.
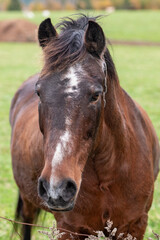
(62, 209)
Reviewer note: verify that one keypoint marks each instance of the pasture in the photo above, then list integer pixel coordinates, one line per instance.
(139, 73)
(121, 25)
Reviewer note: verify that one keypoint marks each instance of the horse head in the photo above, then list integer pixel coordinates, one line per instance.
(71, 91)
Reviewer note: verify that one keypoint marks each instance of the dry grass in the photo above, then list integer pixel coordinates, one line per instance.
(57, 234)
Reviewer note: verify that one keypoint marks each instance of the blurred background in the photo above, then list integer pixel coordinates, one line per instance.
(77, 4)
(133, 27)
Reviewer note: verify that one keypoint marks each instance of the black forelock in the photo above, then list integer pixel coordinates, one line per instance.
(79, 24)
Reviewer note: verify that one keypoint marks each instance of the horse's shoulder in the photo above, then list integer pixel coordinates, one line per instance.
(137, 115)
(144, 130)
(23, 96)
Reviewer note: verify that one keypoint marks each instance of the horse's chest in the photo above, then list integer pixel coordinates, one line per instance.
(93, 204)
(90, 213)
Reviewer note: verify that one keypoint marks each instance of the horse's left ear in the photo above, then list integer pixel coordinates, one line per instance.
(95, 39)
(46, 32)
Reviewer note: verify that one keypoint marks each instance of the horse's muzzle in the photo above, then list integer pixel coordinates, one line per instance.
(60, 197)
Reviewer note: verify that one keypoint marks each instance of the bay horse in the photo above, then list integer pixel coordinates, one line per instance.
(81, 148)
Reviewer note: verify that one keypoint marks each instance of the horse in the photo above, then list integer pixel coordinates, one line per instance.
(82, 148)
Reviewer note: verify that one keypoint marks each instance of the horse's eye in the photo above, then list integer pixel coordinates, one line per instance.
(37, 92)
(95, 97)
(37, 89)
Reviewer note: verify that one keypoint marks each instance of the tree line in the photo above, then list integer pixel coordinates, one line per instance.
(78, 4)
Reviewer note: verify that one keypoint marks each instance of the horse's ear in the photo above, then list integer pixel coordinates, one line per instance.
(46, 32)
(94, 38)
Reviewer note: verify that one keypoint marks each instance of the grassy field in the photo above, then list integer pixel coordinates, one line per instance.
(121, 25)
(139, 72)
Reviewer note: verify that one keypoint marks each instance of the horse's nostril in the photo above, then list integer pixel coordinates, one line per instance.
(59, 196)
(43, 188)
(68, 190)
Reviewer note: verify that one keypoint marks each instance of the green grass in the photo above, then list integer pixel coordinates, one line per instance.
(139, 72)
(123, 25)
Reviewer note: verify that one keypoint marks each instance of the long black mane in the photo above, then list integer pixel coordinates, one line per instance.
(68, 47)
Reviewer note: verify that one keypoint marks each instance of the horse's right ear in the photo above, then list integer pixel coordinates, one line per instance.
(46, 32)
(95, 39)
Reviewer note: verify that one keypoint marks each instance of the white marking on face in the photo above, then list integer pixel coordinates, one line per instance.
(72, 86)
(68, 122)
(62, 147)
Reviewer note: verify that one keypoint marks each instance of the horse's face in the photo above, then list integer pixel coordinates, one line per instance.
(70, 118)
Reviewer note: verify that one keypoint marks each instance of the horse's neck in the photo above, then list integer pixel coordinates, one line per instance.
(113, 143)
(115, 111)
(116, 115)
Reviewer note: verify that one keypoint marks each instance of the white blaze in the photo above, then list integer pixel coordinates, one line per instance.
(61, 148)
(65, 141)
(72, 85)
